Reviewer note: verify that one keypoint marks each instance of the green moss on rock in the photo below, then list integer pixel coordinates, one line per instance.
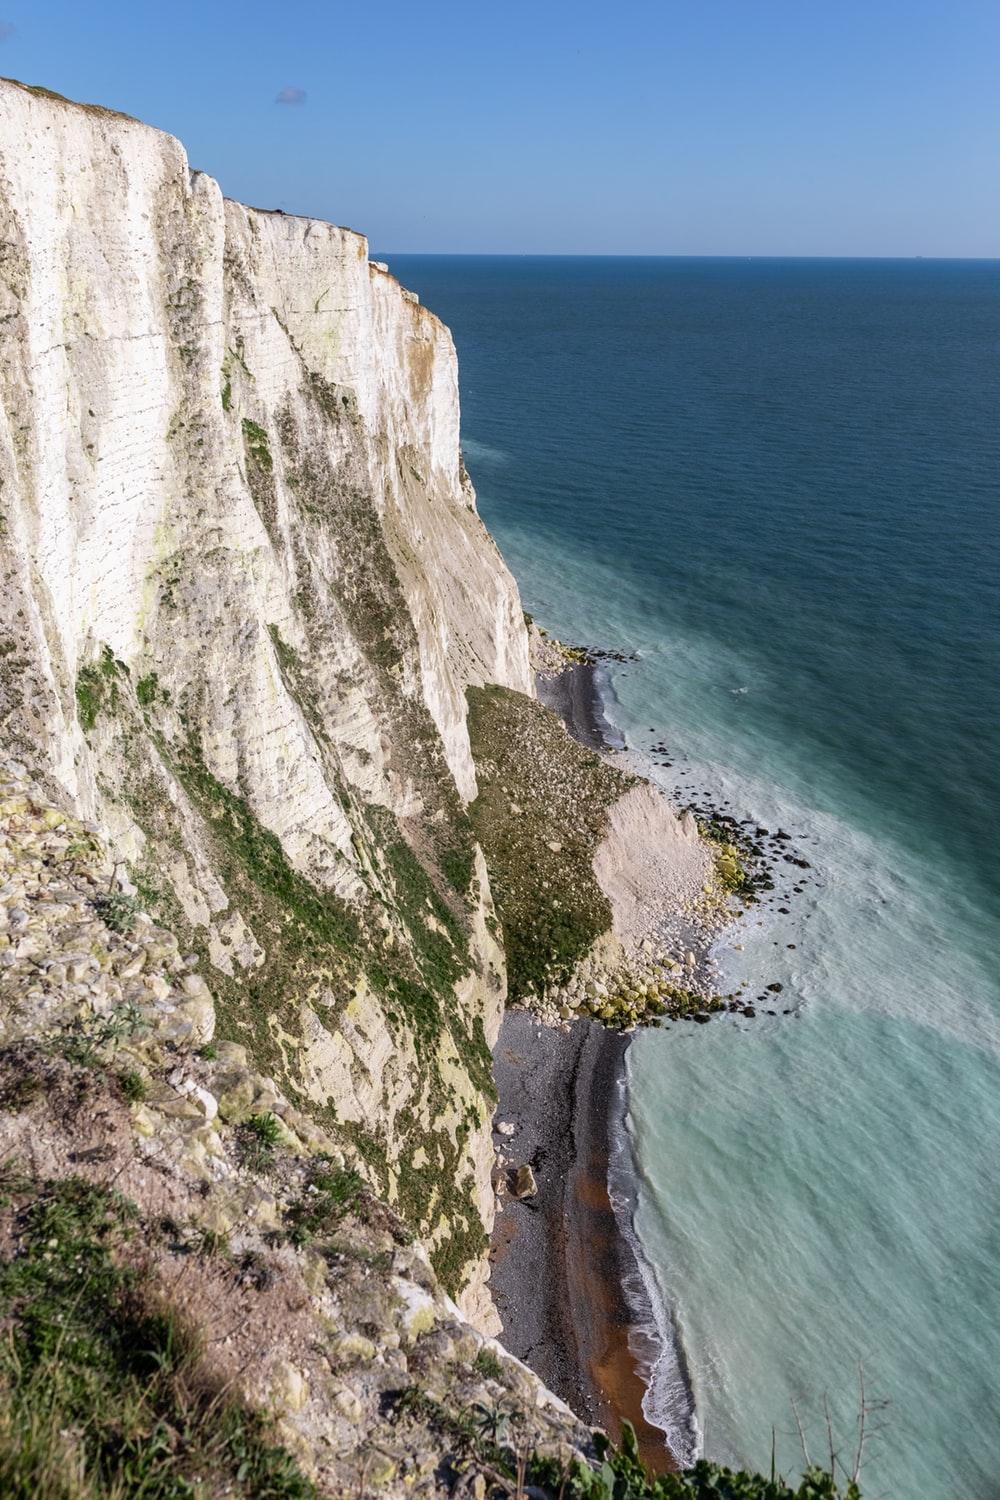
(97, 687)
(256, 443)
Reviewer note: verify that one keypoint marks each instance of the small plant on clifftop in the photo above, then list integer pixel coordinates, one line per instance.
(89, 1040)
(117, 911)
(488, 1365)
(623, 1476)
(478, 1435)
(331, 1193)
(258, 1137)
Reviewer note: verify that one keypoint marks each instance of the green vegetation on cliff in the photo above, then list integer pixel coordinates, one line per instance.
(105, 1392)
(488, 1439)
(540, 814)
(622, 1476)
(406, 936)
(97, 687)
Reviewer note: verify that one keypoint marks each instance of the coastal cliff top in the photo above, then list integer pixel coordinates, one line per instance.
(102, 112)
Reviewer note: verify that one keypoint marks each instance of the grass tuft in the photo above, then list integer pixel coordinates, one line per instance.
(331, 1194)
(132, 1085)
(257, 1138)
(104, 1393)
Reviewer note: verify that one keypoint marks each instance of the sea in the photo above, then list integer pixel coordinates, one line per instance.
(774, 485)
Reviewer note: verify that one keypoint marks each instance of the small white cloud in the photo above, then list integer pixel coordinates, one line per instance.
(291, 96)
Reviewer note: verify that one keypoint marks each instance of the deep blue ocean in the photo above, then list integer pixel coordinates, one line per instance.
(778, 482)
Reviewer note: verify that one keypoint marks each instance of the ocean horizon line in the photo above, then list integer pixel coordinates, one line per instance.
(977, 260)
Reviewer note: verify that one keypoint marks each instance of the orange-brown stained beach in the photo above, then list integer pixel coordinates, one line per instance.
(559, 1260)
(595, 1271)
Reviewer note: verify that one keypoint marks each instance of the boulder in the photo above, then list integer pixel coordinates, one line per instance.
(525, 1185)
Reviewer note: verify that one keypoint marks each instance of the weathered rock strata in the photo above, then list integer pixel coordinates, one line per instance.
(244, 588)
(309, 1300)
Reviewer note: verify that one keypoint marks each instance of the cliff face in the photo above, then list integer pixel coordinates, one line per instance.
(244, 589)
(201, 1297)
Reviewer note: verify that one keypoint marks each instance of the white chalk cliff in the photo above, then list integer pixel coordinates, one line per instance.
(244, 588)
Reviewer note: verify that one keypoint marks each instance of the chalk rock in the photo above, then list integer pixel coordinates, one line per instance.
(525, 1185)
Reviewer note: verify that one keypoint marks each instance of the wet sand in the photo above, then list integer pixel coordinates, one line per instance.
(575, 696)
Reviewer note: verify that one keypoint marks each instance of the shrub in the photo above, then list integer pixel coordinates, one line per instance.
(117, 911)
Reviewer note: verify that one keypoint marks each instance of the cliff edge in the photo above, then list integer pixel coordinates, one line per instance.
(245, 588)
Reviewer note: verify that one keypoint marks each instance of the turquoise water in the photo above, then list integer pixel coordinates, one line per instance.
(778, 483)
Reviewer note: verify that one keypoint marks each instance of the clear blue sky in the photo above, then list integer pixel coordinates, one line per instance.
(727, 127)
